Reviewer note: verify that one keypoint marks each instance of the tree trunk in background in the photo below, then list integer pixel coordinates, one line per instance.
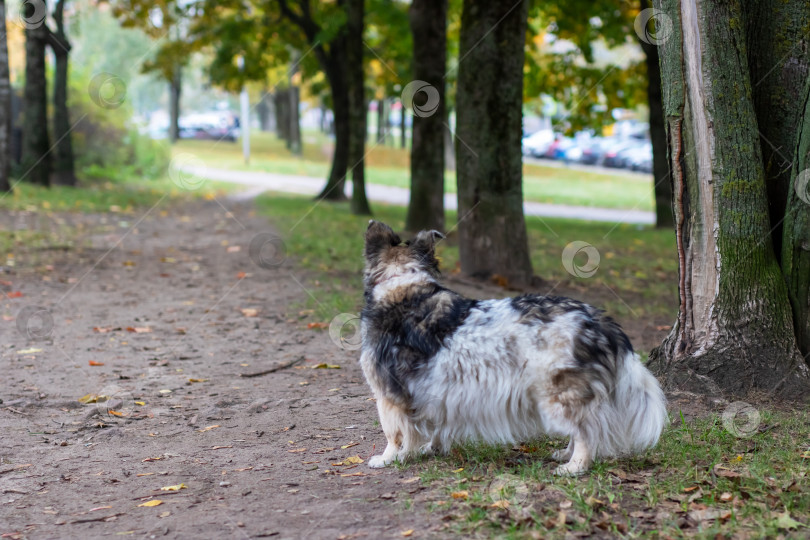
(175, 91)
(282, 106)
(63, 165)
(5, 109)
(780, 73)
(403, 130)
(449, 144)
(380, 120)
(294, 130)
(662, 182)
(429, 28)
(263, 111)
(36, 163)
(355, 77)
(294, 140)
(335, 67)
(492, 230)
(734, 331)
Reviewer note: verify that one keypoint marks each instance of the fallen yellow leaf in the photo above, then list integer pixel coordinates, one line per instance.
(407, 533)
(197, 380)
(464, 495)
(250, 312)
(153, 502)
(209, 428)
(324, 365)
(178, 487)
(89, 398)
(499, 504)
(29, 351)
(459, 470)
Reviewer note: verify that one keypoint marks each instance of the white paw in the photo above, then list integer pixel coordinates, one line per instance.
(560, 455)
(570, 469)
(377, 462)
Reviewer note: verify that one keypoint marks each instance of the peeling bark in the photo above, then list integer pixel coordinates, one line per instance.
(734, 332)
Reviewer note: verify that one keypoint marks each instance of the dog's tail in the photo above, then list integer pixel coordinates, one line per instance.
(630, 418)
(641, 405)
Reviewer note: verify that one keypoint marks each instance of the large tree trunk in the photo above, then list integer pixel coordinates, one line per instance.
(429, 28)
(175, 91)
(662, 182)
(355, 76)
(63, 166)
(5, 109)
(492, 230)
(36, 163)
(734, 332)
(780, 73)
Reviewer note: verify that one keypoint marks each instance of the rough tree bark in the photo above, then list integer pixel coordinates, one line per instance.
(63, 165)
(492, 229)
(780, 75)
(5, 109)
(734, 333)
(662, 182)
(36, 163)
(355, 10)
(175, 91)
(429, 28)
(332, 58)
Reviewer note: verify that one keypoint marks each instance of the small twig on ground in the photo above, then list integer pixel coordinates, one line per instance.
(273, 370)
(90, 520)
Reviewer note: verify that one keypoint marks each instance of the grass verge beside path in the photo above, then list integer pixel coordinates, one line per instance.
(390, 166)
(633, 260)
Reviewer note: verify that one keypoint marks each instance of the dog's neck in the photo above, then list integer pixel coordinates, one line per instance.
(385, 285)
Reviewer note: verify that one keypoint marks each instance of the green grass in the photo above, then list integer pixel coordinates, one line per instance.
(390, 166)
(752, 484)
(636, 278)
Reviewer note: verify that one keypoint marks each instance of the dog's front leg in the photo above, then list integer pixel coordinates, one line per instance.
(398, 432)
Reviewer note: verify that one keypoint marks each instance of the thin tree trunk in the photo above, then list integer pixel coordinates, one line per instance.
(403, 130)
(380, 120)
(734, 331)
(282, 106)
(294, 140)
(63, 165)
(355, 77)
(263, 112)
(175, 91)
(5, 109)
(428, 20)
(492, 229)
(36, 162)
(662, 182)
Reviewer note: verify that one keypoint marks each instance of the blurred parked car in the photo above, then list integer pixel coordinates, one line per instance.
(616, 154)
(537, 143)
(639, 158)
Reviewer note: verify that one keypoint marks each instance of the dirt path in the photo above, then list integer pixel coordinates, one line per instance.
(161, 302)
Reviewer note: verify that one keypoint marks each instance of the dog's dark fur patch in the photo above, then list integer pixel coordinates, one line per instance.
(407, 334)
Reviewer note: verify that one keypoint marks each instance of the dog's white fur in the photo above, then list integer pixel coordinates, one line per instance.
(472, 390)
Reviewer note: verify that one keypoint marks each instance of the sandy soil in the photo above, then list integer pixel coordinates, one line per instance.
(166, 313)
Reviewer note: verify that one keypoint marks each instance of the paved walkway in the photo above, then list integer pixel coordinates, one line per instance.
(307, 185)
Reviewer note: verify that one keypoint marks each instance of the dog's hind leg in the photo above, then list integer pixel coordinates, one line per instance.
(564, 455)
(580, 460)
(398, 432)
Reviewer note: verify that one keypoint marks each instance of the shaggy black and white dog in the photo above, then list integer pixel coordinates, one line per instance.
(445, 368)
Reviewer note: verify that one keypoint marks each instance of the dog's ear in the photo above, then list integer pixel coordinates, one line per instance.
(379, 236)
(425, 242)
